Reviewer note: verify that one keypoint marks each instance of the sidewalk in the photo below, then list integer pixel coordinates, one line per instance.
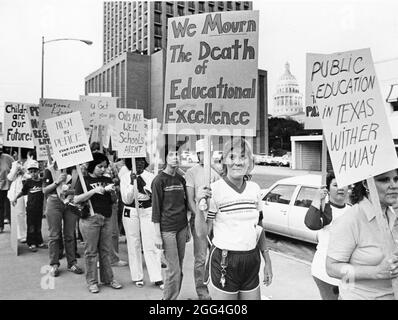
(25, 277)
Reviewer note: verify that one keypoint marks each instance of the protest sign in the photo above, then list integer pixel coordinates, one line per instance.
(102, 114)
(39, 135)
(50, 108)
(16, 125)
(354, 120)
(311, 119)
(130, 133)
(68, 140)
(211, 82)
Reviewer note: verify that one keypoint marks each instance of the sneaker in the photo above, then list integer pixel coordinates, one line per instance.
(93, 288)
(33, 248)
(75, 269)
(139, 283)
(54, 272)
(42, 246)
(160, 284)
(114, 284)
(6, 221)
(23, 240)
(120, 263)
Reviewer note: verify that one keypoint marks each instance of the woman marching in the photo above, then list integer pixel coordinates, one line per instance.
(322, 218)
(355, 253)
(140, 230)
(97, 229)
(234, 216)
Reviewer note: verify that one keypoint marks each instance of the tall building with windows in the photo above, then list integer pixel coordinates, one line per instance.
(141, 26)
(134, 55)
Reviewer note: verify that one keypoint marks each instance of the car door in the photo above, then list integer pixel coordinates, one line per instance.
(302, 201)
(276, 206)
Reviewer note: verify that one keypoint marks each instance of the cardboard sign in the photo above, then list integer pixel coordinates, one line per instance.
(130, 133)
(102, 114)
(50, 108)
(39, 135)
(68, 140)
(17, 132)
(311, 119)
(354, 120)
(211, 82)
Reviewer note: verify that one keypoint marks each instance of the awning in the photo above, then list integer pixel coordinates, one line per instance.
(393, 95)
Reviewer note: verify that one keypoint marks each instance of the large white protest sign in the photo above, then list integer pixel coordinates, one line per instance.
(102, 109)
(68, 140)
(311, 119)
(211, 74)
(354, 120)
(130, 133)
(17, 132)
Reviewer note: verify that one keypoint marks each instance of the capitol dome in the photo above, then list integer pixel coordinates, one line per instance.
(287, 99)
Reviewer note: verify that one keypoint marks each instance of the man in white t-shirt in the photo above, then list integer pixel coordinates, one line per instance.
(195, 178)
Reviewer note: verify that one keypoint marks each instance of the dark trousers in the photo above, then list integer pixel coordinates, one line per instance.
(33, 222)
(4, 207)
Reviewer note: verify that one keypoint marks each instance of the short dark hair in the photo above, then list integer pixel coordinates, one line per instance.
(95, 146)
(97, 159)
(329, 178)
(129, 163)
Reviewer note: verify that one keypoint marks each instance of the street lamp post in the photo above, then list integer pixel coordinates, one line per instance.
(88, 42)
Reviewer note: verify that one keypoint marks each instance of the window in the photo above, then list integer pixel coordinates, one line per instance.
(305, 197)
(280, 194)
(158, 17)
(180, 11)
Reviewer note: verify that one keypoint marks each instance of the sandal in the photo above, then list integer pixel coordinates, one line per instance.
(139, 283)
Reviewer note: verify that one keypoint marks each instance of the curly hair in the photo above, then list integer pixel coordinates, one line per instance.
(358, 192)
(329, 178)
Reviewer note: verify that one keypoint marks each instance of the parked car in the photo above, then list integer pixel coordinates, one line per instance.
(285, 204)
(261, 158)
(283, 161)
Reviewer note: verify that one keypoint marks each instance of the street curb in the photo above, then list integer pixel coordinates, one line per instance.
(291, 258)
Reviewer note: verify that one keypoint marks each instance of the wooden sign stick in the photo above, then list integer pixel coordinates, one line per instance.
(389, 243)
(80, 173)
(134, 167)
(324, 165)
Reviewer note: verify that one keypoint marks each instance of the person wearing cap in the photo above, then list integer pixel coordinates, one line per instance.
(5, 166)
(138, 225)
(32, 187)
(195, 180)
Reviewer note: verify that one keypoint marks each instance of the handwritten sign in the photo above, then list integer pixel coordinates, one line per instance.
(211, 74)
(353, 117)
(130, 129)
(16, 125)
(311, 119)
(39, 135)
(68, 140)
(102, 114)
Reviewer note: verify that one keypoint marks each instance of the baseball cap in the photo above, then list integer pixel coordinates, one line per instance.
(33, 164)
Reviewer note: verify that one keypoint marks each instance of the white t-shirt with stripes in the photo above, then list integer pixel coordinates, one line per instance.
(235, 215)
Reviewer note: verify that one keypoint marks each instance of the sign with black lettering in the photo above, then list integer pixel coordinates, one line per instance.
(16, 125)
(130, 133)
(353, 116)
(68, 140)
(211, 74)
(39, 135)
(311, 119)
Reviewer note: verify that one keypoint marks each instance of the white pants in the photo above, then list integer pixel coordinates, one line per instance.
(19, 211)
(140, 235)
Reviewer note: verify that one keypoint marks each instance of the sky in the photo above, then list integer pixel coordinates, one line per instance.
(288, 30)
